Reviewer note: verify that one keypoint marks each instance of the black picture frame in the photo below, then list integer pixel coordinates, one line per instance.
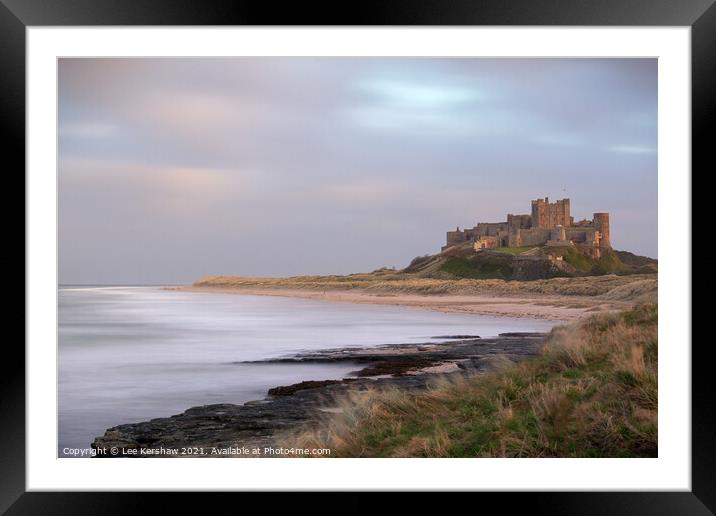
(17, 15)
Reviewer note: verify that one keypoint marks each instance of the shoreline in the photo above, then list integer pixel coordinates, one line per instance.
(265, 422)
(545, 307)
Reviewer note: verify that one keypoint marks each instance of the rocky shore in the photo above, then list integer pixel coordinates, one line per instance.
(231, 430)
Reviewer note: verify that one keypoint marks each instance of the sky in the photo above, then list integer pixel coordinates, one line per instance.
(171, 169)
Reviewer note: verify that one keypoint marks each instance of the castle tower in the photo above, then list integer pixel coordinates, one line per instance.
(564, 218)
(538, 213)
(549, 215)
(601, 222)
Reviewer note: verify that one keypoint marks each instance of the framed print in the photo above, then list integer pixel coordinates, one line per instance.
(416, 250)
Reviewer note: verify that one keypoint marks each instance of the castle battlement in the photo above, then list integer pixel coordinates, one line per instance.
(547, 224)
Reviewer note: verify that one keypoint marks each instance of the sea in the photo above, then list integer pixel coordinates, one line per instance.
(130, 354)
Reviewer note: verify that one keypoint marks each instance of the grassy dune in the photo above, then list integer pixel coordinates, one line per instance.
(627, 288)
(591, 393)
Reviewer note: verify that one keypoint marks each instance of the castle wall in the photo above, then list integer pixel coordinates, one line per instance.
(519, 221)
(489, 228)
(590, 250)
(583, 235)
(486, 242)
(455, 237)
(558, 233)
(533, 236)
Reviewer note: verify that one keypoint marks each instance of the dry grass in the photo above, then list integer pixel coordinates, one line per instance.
(617, 288)
(591, 393)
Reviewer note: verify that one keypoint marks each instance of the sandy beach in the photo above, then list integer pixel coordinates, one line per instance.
(557, 308)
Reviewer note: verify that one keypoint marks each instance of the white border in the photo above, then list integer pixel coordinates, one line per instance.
(670, 471)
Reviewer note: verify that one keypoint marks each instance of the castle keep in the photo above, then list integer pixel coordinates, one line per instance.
(549, 224)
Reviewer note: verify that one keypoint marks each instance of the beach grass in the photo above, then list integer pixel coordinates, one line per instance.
(637, 287)
(592, 392)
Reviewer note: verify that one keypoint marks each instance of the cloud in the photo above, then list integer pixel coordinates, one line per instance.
(179, 111)
(434, 123)
(560, 139)
(414, 95)
(87, 130)
(391, 104)
(632, 149)
(362, 192)
(170, 191)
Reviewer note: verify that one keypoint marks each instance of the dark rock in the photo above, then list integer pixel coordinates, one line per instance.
(395, 367)
(462, 337)
(287, 390)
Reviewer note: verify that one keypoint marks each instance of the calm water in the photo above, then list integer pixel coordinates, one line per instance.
(129, 354)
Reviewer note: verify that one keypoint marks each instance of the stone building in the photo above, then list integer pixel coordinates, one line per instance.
(549, 224)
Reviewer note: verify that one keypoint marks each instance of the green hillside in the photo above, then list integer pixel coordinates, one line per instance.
(527, 263)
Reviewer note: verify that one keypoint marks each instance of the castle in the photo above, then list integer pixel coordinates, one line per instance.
(549, 224)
